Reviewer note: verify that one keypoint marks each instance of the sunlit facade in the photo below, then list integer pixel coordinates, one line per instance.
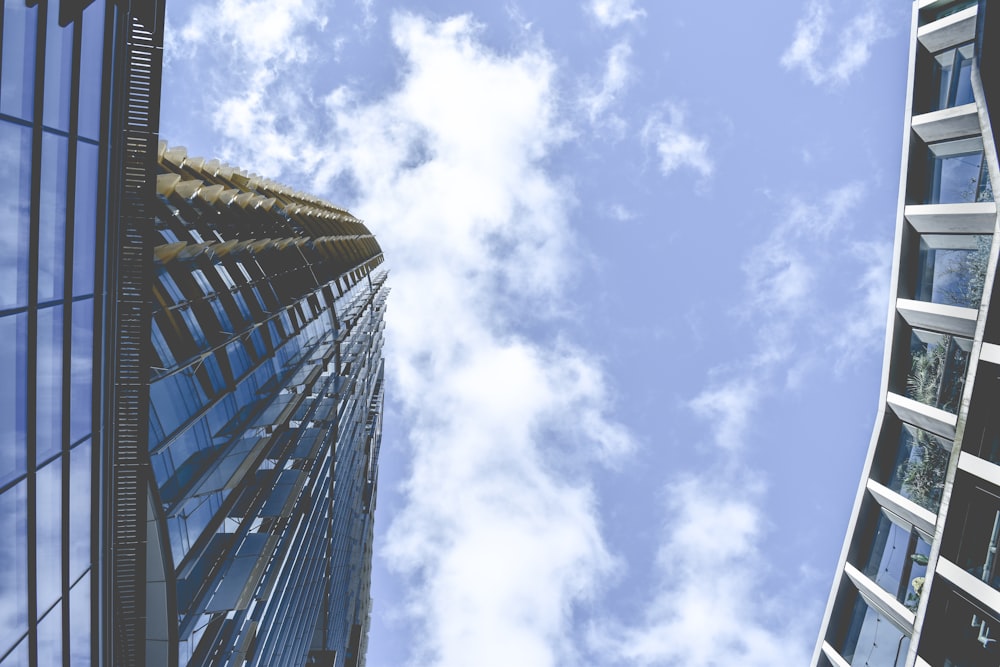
(918, 583)
(265, 421)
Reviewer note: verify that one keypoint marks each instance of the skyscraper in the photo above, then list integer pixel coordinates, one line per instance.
(918, 581)
(191, 376)
(79, 97)
(265, 421)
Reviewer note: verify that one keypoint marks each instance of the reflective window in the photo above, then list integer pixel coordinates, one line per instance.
(958, 632)
(50, 637)
(872, 639)
(79, 622)
(18, 657)
(79, 509)
(921, 466)
(85, 219)
(52, 217)
(897, 559)
(81, 370)
(17, 86)
(973, 533)
(952, 268)
(58, 70)
(959, 177)
(13, 387)
(15, 196)
(953, 73)
(48, 426)
(48, 535)
(937, 369)
(91, 69)
(14, 556)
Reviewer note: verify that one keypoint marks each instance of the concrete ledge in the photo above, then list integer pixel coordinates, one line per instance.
(973, 218)
(881, 600)
(938, 317)
(990, 353)
(920, 518)
(985, 594)
(981, 468)
(947, 123)
(923, 416)
(950, 31)
(834, 657)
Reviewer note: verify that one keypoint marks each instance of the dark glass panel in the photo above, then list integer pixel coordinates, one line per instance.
(14, 556)
(49, 377)
(17, 86)
(13, 387)
(48, 536)
(921, 466)
(50, 634)
(79, 622)
(85, 219)
(58, 70)
(958, 632)
(973, 535)
(15, 200)
(952, 268)
(81, 370)
(91, 70)
(79, 508)
(937, 369)
(52, 217)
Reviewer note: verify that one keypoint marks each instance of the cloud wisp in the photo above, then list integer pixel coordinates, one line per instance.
(854, 46)
(617, 74)
(675, 145)
(613, 13)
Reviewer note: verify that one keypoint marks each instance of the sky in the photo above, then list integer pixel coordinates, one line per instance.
(639, 256)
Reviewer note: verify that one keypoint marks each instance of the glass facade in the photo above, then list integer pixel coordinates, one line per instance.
(265, 417)
(917, 584)
(52, 83)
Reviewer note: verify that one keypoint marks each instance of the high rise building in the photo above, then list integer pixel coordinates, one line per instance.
(190, 380)
(918, 582)
(265, 421)
(79, 97)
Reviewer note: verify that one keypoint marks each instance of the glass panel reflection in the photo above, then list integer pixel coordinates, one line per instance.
(873, 640)
(13, 386)
(937, 369)
(50, 637)
(15, 196)
(49, 382)
(85, 219)
(977, 513)
(91, 70)
(953, 73)
(52, 217)
(17, 86)
(48, 537)
(959, 178)
(14, 556)
(952, 268)
(897, 560)
(79, 509)
(81, 370)
(920, 467)
(58, 71)
(79, 622)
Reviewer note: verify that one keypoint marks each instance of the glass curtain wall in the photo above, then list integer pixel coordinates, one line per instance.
(51, 89)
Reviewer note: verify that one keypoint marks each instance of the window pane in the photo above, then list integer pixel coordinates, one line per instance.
(921, 466)
(52, 216)
(873, 640)
(85, 219)
(48, 538)
(91, 68)
(79, 509)
(15, 197)
(79, 623)
(49, 377)
(81, 370)
(14, 573)
(952, 268)
(50, 637)
(17, 87)
(18, 657)
(937, 369)
(13, 385)
(58, 73)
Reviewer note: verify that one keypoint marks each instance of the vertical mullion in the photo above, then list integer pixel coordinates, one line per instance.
(67, 365)
(31, 385)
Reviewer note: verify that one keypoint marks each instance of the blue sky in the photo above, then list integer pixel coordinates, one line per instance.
(639, 262)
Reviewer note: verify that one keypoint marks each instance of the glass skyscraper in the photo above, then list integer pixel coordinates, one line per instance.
(192, 376)
(918, 583)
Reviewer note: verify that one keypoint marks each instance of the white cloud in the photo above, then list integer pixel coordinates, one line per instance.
(710, 607)
(498, 539)
(675, 145)
(854, 47)
(616, 76)
(613, 13)
(728, 408)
